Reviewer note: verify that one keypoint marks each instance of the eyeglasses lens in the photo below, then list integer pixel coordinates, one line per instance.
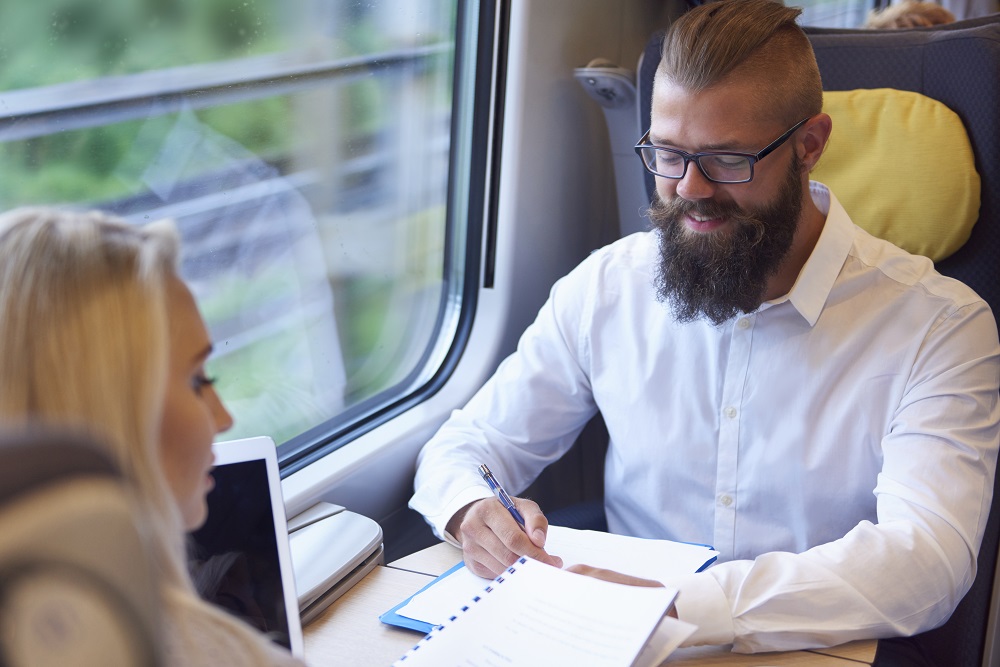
(721, 167)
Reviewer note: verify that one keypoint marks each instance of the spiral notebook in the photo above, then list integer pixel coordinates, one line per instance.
(534, 614)
(660, 560)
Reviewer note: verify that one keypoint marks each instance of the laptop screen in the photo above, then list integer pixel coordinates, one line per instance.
(239, 558)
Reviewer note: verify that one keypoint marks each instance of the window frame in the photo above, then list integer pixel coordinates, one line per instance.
(477, 44)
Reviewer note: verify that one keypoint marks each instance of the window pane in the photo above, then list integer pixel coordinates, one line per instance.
(834, 13)
(302, 147)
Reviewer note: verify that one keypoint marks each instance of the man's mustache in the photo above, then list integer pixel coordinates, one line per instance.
(668, 213)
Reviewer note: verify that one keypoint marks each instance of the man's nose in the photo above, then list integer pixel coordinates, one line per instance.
(694, 185)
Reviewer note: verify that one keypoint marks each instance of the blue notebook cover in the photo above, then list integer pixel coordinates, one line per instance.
(392, 618)
(710, 560)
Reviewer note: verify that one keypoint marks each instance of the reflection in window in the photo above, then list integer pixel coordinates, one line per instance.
(302, 148)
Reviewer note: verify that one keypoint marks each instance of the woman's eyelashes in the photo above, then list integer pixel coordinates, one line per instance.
(200, 381)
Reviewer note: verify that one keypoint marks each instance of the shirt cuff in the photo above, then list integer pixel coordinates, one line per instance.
(439, 522)
(702, 602)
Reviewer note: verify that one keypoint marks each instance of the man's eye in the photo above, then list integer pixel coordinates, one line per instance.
(668, 159)
(729, 161)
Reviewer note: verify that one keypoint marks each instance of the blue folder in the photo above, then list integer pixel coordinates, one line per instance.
(392, 618)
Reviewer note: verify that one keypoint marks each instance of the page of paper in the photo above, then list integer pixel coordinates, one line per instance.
(649, 559)
(541, 615)
(440, 601)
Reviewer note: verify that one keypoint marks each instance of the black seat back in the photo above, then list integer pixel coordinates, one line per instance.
(959, 65)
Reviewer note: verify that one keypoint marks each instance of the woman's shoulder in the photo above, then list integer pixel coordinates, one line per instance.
(199, 639)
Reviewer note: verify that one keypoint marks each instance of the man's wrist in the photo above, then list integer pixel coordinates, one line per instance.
(451, 529)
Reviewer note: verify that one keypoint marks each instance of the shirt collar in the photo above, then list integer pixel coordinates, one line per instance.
(817, 277)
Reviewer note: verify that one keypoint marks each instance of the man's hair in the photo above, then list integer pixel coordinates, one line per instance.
(746, 38)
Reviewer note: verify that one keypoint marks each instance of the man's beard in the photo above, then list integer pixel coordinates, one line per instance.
(721, 273)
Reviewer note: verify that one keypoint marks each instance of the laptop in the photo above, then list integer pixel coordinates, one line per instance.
(240, 559)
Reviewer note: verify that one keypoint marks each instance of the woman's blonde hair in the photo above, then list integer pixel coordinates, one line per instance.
(84, 336)
(84, 345)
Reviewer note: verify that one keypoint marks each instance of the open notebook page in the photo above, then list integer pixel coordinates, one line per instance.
(537, 614)
(649, 559)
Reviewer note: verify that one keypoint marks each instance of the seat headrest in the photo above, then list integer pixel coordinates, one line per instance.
(957, 65)
(902, 166)
(76, 578)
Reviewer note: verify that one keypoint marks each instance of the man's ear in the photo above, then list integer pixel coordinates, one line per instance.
(813, 140)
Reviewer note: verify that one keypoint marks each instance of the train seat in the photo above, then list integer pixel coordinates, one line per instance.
(957, 65)
(76, 581)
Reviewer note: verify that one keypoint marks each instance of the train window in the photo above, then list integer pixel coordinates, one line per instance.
(307, 151)
(833, 13)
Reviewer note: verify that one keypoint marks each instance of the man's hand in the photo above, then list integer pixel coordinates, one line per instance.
(618, 578)
(491, 539)
(612, 576)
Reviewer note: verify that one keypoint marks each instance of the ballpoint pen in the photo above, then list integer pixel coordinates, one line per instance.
(501, 494)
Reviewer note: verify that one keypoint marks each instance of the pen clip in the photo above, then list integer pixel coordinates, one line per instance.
(484, 470)
(501, 494)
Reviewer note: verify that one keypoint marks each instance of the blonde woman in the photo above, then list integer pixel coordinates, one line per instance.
(98, 333)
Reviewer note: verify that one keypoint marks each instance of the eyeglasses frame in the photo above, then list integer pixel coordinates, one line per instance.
(696, 157)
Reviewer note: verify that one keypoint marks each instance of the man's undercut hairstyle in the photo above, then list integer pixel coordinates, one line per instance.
(745, 38)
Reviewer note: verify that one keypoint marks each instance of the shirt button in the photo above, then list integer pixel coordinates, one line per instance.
(730, 412)
(743, 323)
(725, 500)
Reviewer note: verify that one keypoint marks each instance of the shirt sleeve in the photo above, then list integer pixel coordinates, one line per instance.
(906, 573)
(524, 418)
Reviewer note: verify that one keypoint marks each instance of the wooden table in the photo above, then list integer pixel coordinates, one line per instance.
(349, 632)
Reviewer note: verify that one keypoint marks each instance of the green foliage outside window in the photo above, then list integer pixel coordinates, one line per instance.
(53, 50)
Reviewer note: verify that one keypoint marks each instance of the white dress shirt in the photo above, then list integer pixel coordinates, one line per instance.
(837, 446)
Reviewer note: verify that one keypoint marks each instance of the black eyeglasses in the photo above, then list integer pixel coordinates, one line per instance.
(717, 167)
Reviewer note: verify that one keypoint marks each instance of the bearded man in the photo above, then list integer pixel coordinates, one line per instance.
(817, 404)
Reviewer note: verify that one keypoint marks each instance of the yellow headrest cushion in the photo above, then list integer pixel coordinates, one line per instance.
(902, 166)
